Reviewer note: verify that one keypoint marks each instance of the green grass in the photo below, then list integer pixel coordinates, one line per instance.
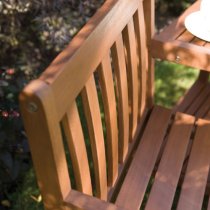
(172, 80)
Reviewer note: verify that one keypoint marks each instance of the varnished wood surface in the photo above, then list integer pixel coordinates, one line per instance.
(110, 109)
(132, 71)
(138, 176)
(176, 44)
(93, 117)
(76, 143)
(194, 185)
(169, 170)
(95, 63)
(122, 87)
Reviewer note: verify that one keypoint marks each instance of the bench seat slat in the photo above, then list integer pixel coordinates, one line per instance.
(76, 143)
(208, 204)
(204, 108)
(190, 96)
(92, 113)
(122, 88)
(199, 100)
(108, 96)
(169, 170)
(81, 201)
(194, 185)
(138, 176)
(132, 71)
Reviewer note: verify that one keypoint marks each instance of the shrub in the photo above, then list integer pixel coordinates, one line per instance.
(32, 33)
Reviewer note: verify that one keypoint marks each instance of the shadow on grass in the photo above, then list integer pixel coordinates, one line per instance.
(171, 82)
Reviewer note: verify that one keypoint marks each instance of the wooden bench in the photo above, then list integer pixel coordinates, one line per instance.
(96, 137)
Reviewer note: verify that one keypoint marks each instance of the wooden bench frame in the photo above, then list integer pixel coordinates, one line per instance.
(110, 56)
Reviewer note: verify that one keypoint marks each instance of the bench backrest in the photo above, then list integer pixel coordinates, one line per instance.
(105, 69)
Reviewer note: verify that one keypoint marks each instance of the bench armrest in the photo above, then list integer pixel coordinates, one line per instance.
(79, 200)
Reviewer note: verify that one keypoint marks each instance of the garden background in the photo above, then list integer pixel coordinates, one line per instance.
(32, 33)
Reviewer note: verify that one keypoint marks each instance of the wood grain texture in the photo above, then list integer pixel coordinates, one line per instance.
(122, 87)
(108, 96)
(176, 28)
(132, 72)
(186, 36)
(149, 15)
(169, 170)
(44, 134)
(166, 45)
(208, 205)
(140, 30)
(195, 180)
(204, 108)
(134, 186)
(189, 54)
(198, 41)
(94, 124)
(190, 96)
(78, 61)
(76, 144)
(200, 99)
(78, 201)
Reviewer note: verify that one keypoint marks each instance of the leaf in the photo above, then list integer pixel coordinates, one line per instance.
(3, 83)
(6, 203)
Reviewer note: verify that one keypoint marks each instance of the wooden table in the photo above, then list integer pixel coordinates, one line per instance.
(176, 44)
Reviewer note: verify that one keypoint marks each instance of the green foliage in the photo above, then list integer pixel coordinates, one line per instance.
(27, 194)
(172, 7)
(32, 33)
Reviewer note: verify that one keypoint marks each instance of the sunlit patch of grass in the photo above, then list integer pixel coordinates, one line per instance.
(171, 82)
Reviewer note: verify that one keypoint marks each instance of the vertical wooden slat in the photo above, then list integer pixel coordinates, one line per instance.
(43, 129)
(169, 170)
(76, 143)
(108, 96)
(132, 72)
(92, 112)
(140, 31)
(123, 111)
(149, 10)
(195, 180)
